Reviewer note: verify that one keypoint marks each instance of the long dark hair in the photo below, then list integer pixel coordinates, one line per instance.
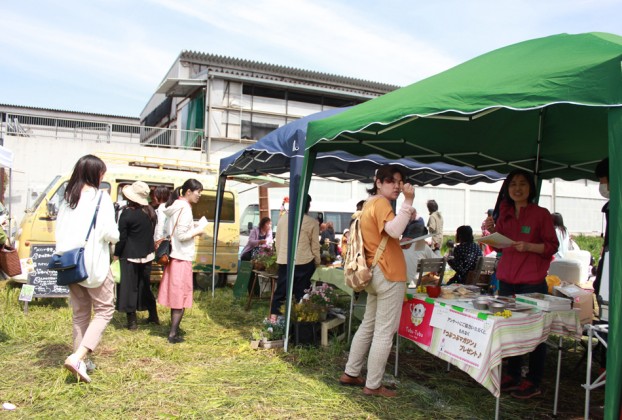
(190, 185)
(88, 170)
(385, 172)
(147, 209)
(504, 193)
(263, 222)
(464, 234)
(162, 193)
(558, 222)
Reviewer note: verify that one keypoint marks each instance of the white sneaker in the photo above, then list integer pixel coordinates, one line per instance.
(77, 366)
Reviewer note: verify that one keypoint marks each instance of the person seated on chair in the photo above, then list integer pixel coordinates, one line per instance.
(466, 254)
(415, 252)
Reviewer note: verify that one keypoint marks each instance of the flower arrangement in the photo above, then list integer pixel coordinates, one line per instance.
(323, 295)
(272, 329)
(265, 257)
(313, 307)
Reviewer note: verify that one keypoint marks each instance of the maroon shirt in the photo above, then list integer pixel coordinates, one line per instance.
(534, 224)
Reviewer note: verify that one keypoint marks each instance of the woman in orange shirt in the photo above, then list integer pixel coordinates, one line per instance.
(385, 292)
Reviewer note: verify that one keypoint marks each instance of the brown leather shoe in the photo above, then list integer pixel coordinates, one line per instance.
(349, 380)
(381, 392)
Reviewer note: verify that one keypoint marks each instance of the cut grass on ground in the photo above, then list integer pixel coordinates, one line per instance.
(215, 374)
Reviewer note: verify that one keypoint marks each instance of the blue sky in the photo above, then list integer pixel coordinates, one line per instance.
(109, 56)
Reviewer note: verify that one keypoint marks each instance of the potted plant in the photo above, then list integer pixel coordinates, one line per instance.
(270, 335)
(326, 257)
(322, 297)
(310, 311)
(265, 258)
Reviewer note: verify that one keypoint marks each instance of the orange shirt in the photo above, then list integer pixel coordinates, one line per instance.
(376, 213)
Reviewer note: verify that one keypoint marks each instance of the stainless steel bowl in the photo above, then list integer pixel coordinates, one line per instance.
(497, 306)
(480, 304)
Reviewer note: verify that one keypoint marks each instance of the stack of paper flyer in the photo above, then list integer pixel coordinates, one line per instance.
(545, 302)
(496, 240)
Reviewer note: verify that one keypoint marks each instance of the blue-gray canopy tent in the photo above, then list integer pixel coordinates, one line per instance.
(281, 152)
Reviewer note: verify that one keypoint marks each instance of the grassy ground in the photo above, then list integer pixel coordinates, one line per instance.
(215, 374)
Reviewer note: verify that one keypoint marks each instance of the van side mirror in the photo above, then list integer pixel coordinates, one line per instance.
(250, 226)
(52, 210)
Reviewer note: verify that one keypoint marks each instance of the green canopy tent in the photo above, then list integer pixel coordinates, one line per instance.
(551, 105)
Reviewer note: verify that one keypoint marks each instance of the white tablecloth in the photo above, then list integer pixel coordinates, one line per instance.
(512, 336)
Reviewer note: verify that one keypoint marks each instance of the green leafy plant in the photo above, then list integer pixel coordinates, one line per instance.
(271, 330)
(306, 311)
(325, 255)
(266, 257)
(323, 295)
(314, 304)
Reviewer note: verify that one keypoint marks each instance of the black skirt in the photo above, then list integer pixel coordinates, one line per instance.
(134, 290)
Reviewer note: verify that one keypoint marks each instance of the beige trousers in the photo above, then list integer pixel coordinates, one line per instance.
(88, 332)
(380, 323)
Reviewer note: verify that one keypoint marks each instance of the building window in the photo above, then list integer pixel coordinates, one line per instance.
(256, 130)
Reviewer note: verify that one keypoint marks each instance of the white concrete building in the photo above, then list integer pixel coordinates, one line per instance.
(242, 101)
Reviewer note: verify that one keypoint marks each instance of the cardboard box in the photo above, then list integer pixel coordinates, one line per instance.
(582, 300)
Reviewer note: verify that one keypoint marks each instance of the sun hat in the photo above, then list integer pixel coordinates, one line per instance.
(137, 192)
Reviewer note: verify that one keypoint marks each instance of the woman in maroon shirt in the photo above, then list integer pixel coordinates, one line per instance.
(524, 265)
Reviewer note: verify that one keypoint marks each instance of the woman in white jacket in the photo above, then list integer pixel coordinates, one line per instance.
(176, 287)
(95, 294)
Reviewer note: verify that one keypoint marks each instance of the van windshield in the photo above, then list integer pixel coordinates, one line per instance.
(42, 196)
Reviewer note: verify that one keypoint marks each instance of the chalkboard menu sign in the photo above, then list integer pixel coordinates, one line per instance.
(43, 279)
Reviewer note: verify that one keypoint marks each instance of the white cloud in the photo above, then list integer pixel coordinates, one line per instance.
(328, 36)
(120, 49)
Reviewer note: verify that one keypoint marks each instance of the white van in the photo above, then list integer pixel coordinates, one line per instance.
(39, 222)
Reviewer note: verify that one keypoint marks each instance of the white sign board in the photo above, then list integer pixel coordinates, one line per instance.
(465, 337)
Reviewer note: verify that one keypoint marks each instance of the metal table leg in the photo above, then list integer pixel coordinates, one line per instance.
(559, 366)
(498, 402)
(397, 353)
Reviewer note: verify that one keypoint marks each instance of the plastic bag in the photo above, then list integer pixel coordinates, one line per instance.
(115, 268)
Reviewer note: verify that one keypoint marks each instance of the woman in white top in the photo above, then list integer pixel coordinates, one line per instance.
(176, 287)
(563, 237)
(95, 294)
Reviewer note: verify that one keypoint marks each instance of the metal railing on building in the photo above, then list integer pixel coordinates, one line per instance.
(24, 125)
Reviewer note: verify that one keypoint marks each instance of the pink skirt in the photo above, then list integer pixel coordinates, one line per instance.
(176, 286)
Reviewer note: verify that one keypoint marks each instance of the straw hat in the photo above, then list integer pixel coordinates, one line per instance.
(138, 192)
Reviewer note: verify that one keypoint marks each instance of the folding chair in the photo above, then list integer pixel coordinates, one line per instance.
(431, 265)
(485, 266)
